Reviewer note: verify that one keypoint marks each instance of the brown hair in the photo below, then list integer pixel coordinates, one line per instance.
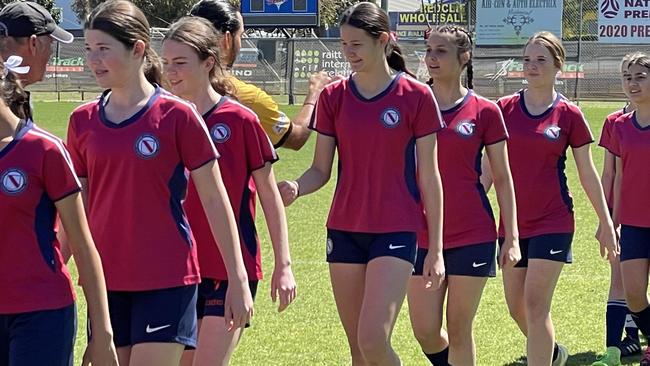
(640, 59)
(13, 94)
(199, 34)
(628, 58)
(464, 43)
(372, 19)
(126, 22)
(552, 44)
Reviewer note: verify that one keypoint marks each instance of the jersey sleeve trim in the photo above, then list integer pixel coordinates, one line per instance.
(202, 164)
(612, 152)
(583, 144)
(272, 161)
(430, 132)
(66, 195)
(284, 137)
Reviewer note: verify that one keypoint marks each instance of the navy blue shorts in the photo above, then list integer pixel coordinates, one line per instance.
(552, 247)
(476, 260)
(212, 295)
(163, 316)
(635, 242)
(361, 248)
(38, 338)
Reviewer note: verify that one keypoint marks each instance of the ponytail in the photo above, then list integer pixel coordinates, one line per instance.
(470, 74)
(13, 94)
(152, 66)
(395, 59)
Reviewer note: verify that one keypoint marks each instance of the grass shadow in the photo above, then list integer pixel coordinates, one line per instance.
(579, 359)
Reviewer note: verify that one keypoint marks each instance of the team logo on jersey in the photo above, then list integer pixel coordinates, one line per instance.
(552, 132)
(220, 133)
(466, 128)
(147, 146)
(390, 118)
(13, 182)
(330, 246)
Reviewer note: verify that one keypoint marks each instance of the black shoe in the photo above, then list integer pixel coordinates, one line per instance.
(630, 346)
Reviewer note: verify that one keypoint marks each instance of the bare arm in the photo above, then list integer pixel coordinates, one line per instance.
(66, 252)
(282, 282)
(594, 190)
(618, 179)
(607, 177)
(80, 243)
(209, 185)
(486, 173)
(300, 131)
(316, 176)
(430, 186)
(500, 173)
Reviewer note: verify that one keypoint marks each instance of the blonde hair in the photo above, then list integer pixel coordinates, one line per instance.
(552, 44)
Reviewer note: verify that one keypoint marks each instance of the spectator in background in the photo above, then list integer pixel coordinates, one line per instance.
(281, 130)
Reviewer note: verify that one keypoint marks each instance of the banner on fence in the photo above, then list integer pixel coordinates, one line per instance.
(512, 22)
(624, 21)
(409, 24)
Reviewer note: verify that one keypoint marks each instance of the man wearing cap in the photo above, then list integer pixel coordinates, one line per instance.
(28, 30)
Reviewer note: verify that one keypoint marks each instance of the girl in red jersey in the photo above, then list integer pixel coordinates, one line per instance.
(134, 147)
(375, 119)
(617, 315)
(542, 124)
(191, 57)
(630, 144)
(37, 182)
(469, 230)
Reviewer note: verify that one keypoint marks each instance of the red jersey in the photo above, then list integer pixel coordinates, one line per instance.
(35, 172)
(605, 141)
(244, 148)
(537, 153)
(631, 143)
(377, 190)
(468, 219)
(137, 180)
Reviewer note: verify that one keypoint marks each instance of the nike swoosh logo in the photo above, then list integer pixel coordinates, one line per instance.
(393, 247)
(476, 265)
(152, 330)
(553, 252)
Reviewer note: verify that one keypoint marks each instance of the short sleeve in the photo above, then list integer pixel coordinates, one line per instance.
(494, 126)
(606, 134)
(579, 133)
(193, 140)
(322, 120)
(72, 144)
(427, 119)
(614, 145)
(59, 177)
(275, 123)
(259, 149)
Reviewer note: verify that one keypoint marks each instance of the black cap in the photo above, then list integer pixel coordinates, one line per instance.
(26, 18)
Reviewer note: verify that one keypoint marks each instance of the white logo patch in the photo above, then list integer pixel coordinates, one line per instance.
(390, 118)
(13, 181)
(466, 128)
(552, 132)
(147, 146)
(330, 246)
(220, 133)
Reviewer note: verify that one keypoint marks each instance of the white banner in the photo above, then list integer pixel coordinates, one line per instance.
(624, 21)
(512, 22)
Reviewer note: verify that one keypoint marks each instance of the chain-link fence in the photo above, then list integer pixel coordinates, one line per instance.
(283, 66)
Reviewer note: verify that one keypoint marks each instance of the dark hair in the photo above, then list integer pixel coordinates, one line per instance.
(552, 44)
(220, 13)
(13, 94)
(199, 34)
(124, 21)
(464, 43)
(372, 19)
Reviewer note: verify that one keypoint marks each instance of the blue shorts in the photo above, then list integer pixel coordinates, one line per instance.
(361, 248)
(38, 338)
(212, 295)
(476, 260)
(163, 316)
(635, 242)
(552, 247)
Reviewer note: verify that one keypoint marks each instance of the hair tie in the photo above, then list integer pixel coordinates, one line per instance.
(13, 64)
(393, 36)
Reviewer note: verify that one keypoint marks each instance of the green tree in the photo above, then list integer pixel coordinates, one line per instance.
(47, 4)
(160, 13)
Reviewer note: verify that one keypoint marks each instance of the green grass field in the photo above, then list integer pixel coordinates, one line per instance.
(309, 332)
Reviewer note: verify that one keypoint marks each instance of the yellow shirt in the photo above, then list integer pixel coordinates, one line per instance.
(275, 123)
